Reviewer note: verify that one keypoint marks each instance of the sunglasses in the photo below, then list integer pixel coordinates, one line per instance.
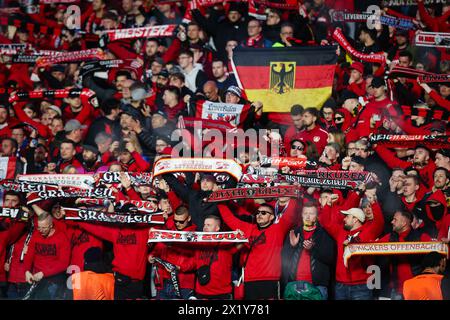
(299, 148)
(262, 212)
(338, 118)
(180, 221)
(153, 201)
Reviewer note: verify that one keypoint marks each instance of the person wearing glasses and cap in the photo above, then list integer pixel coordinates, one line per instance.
(262, 266)
(351, 280)
(369, 119)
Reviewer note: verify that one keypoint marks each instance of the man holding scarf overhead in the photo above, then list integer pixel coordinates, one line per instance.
(262, 261)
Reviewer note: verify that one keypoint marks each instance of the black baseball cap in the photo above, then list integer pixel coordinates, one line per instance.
(91, 148)
(347, 94)
(377, 82)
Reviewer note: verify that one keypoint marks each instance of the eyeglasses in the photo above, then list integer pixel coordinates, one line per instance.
(361, 149)
(180, 221)
(338, 118)
(262, 212)
(45, 228)
(153, 201)
(299, 148)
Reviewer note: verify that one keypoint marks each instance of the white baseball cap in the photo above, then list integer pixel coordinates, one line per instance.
(356, 212)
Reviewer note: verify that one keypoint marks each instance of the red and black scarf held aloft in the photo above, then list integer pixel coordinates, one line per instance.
(254, 193)
(91, 215)
(411, 141)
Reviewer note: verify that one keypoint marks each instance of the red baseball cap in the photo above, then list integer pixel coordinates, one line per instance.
(358, 66)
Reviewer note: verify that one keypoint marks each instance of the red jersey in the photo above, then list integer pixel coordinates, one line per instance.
(355, 272)
(304, 263)
(291, 132)
(264, 261)
(50, 255)
(129, 247)
(7, 237)
(18, 268)
(317, 136)
(178, 255)
(221, 267)
(81, 241)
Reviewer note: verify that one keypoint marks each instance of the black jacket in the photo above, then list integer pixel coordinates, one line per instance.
(198, 209)
(103, 124)
(323, 257)
(222, 30)
(386, 262)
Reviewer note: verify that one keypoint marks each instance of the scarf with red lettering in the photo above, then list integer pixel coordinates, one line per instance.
(424, 76)
(75, 56)
(397, 14)
(283, 6)
(411, 141)
(257, 181)
(193, 236)
(343, 42)
(89, 215)
(432, 39)
(280, 162)
(335, 179)
(143, 32)
(254, 193)
(234, 114)
(210, 165)
(390, 248)
(55, 94)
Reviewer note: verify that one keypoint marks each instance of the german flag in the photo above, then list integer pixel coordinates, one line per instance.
(282, 77)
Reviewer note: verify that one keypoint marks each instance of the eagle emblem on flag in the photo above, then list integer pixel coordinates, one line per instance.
(282, 76)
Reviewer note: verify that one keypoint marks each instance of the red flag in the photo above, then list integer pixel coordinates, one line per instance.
(7, 167)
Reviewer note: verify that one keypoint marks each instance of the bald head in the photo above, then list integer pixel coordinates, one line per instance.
(211, 91)
(45, 225)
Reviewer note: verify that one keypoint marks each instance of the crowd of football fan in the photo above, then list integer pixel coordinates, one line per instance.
(295, 246)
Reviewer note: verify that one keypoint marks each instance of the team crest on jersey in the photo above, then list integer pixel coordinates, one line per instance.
(282, 76)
